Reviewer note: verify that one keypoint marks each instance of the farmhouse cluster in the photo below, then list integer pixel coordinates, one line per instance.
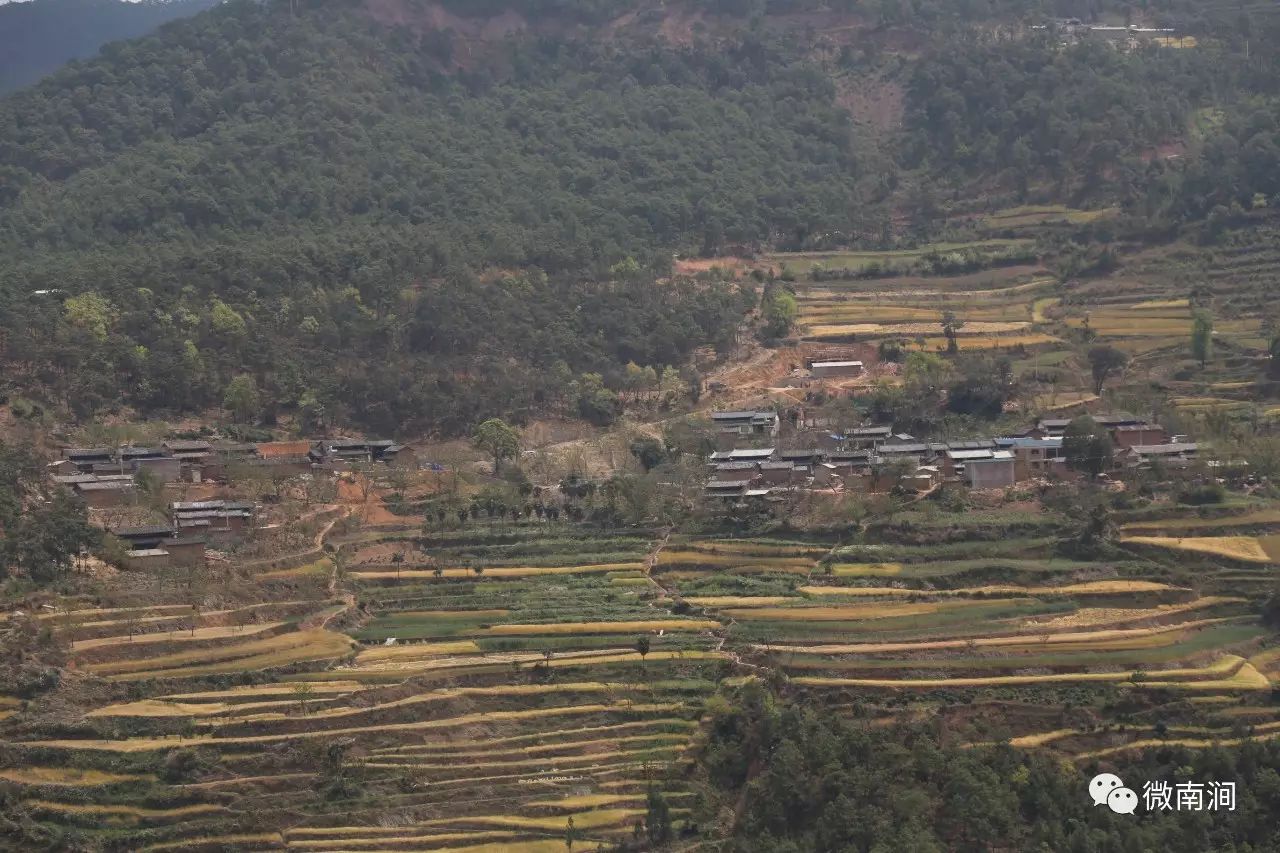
(873, 459)
(107, 476)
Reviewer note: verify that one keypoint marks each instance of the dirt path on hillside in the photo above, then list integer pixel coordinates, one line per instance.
(334, 587)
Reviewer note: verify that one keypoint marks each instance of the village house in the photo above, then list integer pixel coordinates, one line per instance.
(1036, 457)
(877, 477)
(147, 559)
(186, 551)
(84, 458)
(220, 521)
(836, 369)
(1135, 435)
(337, 453)
(61, 468)
(735, 472)
(846, 462)
(224, 456)
(753, 423)
(913, 450)
(147, 536)
(192, 457)
(103, 492)
(802, 456)
(1175, 454)
(994, 471)
(923, 479)
(725, 489)
(1055, 427)
(146, 541)
(743, 454)
(166, 469)
(867, 437)
(781, 473)
(825, 474)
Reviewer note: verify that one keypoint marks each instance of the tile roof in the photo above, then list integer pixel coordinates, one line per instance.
(272, 449)
(1164, 449)
(145, 530)
(751, 453)
(724, 484)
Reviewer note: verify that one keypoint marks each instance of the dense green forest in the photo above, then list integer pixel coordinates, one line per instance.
(388, 228)
(980, 108)
(819, 782)
(336, 198)
(39, 36)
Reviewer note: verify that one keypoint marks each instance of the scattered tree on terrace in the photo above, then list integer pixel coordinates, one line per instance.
(498, 439)
(570, 834)
(643, 644)
(951, 326)
(1104, 362)
(657, 818)
(778, 309)
(1086, 444)
(1201, 336)
(303, 692)
(1094, 525)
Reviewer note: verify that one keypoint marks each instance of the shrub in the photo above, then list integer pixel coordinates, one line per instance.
(1202, 494)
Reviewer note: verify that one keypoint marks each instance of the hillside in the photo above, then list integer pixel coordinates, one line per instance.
(40, 36)
(644, 426)
(256, 189)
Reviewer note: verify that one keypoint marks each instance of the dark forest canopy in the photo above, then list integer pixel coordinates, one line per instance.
(319, 202)
(807, 780)
(336, 196)
(39, 36)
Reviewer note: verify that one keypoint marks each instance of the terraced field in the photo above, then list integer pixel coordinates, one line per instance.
(450, 706)
(993, 286)
(990, 614)
(799, 263)
(1035, 220)
(1145, 308)
(506, 704)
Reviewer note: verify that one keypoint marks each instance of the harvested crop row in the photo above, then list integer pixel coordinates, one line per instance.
(498, 571)
(1083, 638)
(1241, 676)
(1246, 548)
(972, 328)
(162, 743)
(66, 776)
(272, 651)
(1090, 588)
(213, 632)
(675, 557)
(541, 737)
(603, 627)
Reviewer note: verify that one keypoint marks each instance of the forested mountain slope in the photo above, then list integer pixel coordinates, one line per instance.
(39, 36)
(320, 175)
(362, 207)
